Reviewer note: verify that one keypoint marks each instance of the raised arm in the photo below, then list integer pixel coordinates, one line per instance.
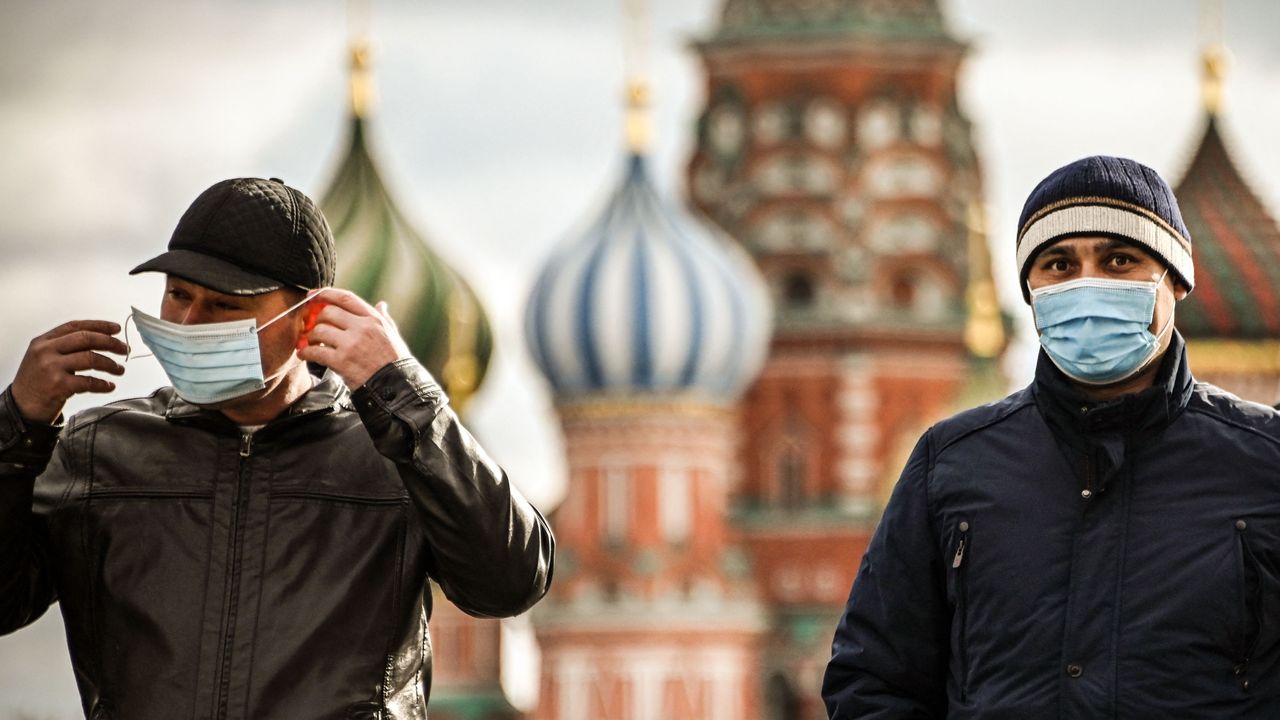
(29, 409)
(493, 550)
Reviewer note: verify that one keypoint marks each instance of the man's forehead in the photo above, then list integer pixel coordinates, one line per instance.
(1093, 244)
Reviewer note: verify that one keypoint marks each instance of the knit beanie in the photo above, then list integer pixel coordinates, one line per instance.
(1110, 196)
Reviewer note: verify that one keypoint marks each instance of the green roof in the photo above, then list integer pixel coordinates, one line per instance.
(382, 257)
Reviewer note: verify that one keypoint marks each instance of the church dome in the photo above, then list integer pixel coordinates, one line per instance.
(382, 257)
(1236, 246)
(648, 302)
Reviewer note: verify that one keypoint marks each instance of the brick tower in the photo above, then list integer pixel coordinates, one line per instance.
(833, 149)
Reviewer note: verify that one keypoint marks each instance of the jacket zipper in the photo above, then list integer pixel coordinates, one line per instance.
(1087, 492)
(233, 577)
(1251, 615)
(962, 608)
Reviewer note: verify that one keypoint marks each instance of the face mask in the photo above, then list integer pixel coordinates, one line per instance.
(1096, 330)
(210, 362)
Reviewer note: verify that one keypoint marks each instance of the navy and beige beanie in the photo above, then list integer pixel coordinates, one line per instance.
(1110, 196)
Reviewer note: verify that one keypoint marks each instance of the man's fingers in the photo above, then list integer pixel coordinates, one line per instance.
(325, 334)
(105, 327)
(346, 300)
(91, 384)
(337, 317)
(88, 360)
(79, 340)
(318, 354)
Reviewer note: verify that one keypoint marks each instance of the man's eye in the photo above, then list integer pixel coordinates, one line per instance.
(1121, 260)
(1058, 266)
(226, 306)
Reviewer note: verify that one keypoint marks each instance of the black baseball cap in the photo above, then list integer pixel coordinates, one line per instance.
(248, 236)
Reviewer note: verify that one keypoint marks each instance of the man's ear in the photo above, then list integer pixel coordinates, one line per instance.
(1180, 291)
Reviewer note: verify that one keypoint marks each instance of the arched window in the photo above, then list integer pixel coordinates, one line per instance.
(798, 290)
(780, 699)
(791, 479)
(615, 505)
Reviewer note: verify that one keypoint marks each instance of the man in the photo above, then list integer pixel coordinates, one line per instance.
(255, 541)
(1102, 544)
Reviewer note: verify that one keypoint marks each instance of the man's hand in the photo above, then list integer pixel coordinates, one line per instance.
(352, 338)
(47, 376)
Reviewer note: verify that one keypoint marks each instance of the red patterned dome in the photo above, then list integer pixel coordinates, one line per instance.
(1237, 250)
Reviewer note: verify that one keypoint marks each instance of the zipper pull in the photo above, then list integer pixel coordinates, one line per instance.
(246, 444)
(958, 560)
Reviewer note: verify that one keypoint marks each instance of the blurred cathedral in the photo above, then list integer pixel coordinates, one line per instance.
(709, 535)
(740, 375)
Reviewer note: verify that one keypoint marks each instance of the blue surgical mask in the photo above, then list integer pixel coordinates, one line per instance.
(210, 362)
(1096, 330)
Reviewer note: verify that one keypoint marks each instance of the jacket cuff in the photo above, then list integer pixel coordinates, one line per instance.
(397, 404)
(25, 444)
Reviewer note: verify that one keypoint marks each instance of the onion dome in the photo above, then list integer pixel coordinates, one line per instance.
(647, 302)
(871, 19)
(1236, 245)
(382, 257)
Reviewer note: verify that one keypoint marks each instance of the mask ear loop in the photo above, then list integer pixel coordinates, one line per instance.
(1172, 311)
(287, 310)
(128, 346)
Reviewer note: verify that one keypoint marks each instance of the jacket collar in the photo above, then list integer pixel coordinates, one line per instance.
(326, 396)
(1145, 413)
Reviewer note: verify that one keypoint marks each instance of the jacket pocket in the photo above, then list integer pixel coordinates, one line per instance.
(1252, 619)
(961, 552)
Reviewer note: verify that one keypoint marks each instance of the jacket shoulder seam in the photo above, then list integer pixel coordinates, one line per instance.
(96, 415)
(1213, 414)
(998, 418)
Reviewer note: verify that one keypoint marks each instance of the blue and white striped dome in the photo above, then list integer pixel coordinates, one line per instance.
(648, 302)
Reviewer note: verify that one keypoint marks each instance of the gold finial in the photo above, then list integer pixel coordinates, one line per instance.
(361, 83)
(984, 330)
(461, 371)
(1214, 57)
(639, 129)
(639, 126)
(361, 80)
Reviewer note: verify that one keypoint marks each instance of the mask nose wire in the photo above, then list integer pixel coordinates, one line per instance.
(128, 346)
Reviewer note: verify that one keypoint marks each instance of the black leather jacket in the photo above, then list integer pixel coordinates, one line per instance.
(208, 573)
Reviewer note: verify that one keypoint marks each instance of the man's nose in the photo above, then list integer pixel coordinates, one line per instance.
(1088, 268)
(194, 315)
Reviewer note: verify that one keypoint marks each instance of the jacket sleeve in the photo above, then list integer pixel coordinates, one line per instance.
(889, 656)
(26, 583)
(493, 550)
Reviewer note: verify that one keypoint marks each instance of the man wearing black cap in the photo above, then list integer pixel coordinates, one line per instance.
(1102, 543)
(254, 541)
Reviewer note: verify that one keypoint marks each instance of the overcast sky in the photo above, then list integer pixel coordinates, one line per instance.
(498, 127)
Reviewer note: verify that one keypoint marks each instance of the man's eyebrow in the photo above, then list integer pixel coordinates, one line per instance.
(1114, 244)
(1059, 250)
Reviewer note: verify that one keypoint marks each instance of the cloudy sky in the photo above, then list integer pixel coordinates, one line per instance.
(498, 125)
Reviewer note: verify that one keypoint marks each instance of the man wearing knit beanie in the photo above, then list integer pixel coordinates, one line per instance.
(1104, 542)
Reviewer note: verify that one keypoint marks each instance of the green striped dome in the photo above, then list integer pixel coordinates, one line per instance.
(382, 257)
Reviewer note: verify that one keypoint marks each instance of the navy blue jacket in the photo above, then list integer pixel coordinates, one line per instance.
(1049, 557)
